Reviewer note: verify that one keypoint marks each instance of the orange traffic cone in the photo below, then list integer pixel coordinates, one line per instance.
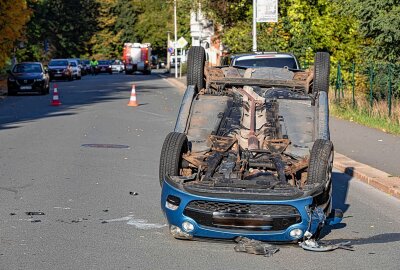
(56, 100)
(132, 100)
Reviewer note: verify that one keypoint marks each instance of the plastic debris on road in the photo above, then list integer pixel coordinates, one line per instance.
(255, 247)
(319, 246)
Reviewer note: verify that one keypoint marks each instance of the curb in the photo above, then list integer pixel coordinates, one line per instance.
(367, 174)
(174, 82)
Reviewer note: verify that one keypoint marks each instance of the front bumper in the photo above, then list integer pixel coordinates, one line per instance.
(26, 85)
(59, 74)
(231, 223)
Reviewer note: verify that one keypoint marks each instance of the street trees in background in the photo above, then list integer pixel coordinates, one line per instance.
(13, 17)
(379, 25)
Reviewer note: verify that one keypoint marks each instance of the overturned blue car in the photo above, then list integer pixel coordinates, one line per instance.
(250, 154)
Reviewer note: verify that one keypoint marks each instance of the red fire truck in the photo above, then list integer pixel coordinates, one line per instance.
(137, 57)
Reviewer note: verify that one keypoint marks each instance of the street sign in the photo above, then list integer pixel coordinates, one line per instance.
(267, 11)
(181, 43)
(170, 50)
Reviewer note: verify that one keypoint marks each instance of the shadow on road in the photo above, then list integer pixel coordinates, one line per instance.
(340, 187)
(375, 239)
(15, 110)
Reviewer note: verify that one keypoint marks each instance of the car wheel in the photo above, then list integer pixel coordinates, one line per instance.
(320, 171)
(70, 78)
(175, 144)
(321, 162)
(195, 67)
(321, 72)
(79, 78)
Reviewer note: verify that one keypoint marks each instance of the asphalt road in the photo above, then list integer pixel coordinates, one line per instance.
(366, 145)
(92, 217)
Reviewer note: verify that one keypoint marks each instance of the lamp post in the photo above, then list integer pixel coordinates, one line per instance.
(176, 41)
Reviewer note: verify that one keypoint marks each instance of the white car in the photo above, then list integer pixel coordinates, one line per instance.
(117, 66)
(76, 70)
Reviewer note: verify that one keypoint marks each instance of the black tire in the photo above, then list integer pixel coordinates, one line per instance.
(70, 78)
(321, 72)
(195, 67)
(175, 144)
(79, 77)
(321, 162)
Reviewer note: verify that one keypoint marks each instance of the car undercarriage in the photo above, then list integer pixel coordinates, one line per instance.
(250, 151)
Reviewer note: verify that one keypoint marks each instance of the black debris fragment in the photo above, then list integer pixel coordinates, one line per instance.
(104, 222)
(34, 213)
(105, 210)
(36, 221)
(133, 193)
(12, 214)
(255, 247)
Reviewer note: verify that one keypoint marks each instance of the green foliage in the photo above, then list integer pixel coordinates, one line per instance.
(156, 18)
(104, 42)
(379, 23)
(13, 17)
(66, 26)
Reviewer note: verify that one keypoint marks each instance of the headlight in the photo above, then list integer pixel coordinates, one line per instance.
(39, 80)
(109, 66)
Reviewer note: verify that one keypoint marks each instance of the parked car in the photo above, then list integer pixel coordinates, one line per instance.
(60, 69)
(104, 66)
(28, 77)
(117, 66)
(86, 66)
(250, 154)
(76, 70)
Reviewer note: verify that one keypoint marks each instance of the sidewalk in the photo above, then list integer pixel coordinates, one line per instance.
(377, 153)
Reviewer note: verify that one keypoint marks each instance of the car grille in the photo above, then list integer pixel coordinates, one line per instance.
(238, 216)
(59, 70)
(25, 82)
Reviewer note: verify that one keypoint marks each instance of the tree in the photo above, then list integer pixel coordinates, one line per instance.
(13, 17)
(104, 42)
(379, 24)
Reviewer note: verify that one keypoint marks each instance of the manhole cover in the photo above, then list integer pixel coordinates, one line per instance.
(96, 145)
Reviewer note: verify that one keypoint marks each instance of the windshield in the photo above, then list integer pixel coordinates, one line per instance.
(267, 62)
(73, 63)
(85, 62)
(58, 63)
(104, 62)
(27, 68)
